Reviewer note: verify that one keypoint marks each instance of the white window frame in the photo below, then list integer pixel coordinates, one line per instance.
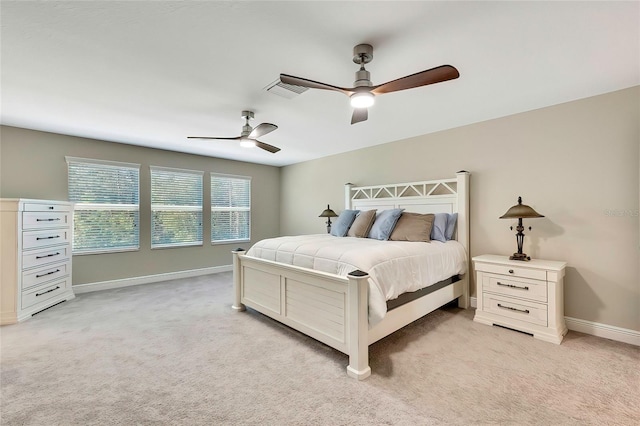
(79, 206)
(230, 209)
(182, 208)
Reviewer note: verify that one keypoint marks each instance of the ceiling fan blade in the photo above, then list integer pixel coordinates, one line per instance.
(272, 149)
(297, 81)
(262, 129)
(434, 75)
(359, 114)
(213, 137)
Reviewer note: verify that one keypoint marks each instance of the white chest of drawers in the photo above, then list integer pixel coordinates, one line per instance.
(525, 296)
(35, 256)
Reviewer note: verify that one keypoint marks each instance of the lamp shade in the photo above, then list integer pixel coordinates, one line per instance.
(520, 211)
(328, 213)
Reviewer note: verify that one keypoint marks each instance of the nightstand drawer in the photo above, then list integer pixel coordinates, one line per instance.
(515, 271)
(521, 287)
(534, 313)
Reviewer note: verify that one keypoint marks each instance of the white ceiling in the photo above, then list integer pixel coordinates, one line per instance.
(152, 73)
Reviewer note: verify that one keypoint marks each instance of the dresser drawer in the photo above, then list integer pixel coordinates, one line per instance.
(43, 220)
(531, 312)
(517, 287)
(36, 239)
(46, 207)
(45, 274)
(515, 271)
(31, 259)
(44, 292)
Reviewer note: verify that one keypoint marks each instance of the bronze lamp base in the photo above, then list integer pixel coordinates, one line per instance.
(520, 256)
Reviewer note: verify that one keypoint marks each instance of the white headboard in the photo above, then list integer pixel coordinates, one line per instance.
(432, 196)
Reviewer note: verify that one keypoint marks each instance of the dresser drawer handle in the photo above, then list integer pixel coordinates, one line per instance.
(48, 255)
(47, 238)
(524, 311)
(512, 286)
(48, 291)
(47, 220)
(511, 271)
(48, 273)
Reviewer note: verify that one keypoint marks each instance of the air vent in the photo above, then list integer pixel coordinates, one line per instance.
(288, 91)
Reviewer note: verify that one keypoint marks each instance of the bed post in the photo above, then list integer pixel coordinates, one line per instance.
(347, 195)
(358, 312)
(463, 232)
(237, 281)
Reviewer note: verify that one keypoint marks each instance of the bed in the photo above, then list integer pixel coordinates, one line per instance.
(333, 305)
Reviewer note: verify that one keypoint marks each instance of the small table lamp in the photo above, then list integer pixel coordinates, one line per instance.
(520, 211)
(328, 213)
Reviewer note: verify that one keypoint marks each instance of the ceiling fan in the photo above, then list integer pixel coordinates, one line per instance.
(249, 136)
(363, 93)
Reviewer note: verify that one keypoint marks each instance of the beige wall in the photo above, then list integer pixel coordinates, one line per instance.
(575, 163)
(32, 165)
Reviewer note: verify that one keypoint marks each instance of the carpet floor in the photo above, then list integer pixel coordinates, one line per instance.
(175, 353)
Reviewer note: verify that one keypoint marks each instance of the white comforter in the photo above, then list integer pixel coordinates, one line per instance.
(394, 267)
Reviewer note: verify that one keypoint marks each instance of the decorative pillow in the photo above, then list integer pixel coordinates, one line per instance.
(343, 222)
(384, 224)
(413, 227)
(362, 225)
(451, 226)
(438, 231)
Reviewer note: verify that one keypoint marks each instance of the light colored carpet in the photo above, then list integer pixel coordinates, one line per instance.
(176, 353)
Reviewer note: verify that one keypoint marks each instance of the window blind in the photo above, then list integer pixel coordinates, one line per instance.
(106, 205)
(176, 207)
(230, 208)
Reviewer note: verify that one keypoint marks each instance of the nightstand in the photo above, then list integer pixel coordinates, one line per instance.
(524, 296)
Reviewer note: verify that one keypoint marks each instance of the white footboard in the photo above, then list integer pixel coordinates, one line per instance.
(327, 307)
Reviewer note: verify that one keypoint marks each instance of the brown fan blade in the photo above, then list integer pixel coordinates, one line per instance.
(272, 149)
(434, 75)
(262, 129)
(213, 137)
(297, 81)
(359, 114)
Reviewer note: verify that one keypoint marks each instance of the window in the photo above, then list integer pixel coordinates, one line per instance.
(176, 207)
(107, 207)
(230, 208)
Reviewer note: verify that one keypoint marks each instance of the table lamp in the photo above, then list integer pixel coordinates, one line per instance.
(520, 211)
(328, 213)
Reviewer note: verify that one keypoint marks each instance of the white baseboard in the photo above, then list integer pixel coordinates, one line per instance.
(147, 279)
(618, 334)
(603, 330)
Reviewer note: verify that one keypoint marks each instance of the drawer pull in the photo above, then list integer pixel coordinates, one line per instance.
(51, 207)
(524, 311)
(47, 220)
(512, 286)
(48, 273)
(48, 255)
(47, 238)
(511, 271)
(48, 291)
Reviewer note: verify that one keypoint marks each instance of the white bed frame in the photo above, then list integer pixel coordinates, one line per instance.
(334, 309)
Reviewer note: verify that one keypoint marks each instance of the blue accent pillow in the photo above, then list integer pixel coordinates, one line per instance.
(439, 229)
(340, 227)
(385, 222)
(451, 226)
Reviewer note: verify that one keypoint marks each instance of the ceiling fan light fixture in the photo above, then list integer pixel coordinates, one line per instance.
(362, 99)
(247, 143)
